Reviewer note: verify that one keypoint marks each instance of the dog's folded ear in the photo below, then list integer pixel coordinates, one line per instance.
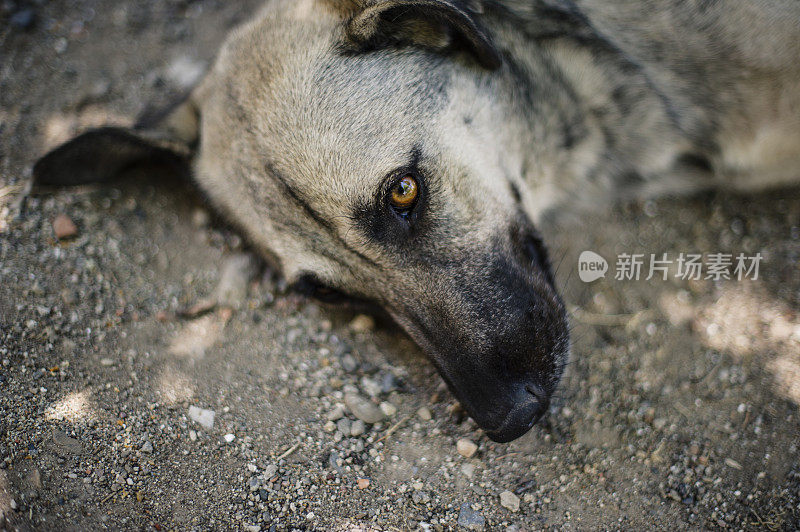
(99, 155)
(429, 23)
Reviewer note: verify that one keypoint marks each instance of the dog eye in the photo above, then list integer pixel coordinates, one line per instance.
(404, 194)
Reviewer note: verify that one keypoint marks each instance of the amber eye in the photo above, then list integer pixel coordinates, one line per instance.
(405, 193)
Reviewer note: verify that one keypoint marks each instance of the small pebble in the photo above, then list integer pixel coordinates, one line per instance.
(335, 414)
(469, 518)
(424, 414)
(363, 483)
(390, 383)
(147, 447)
(202, 416)
(99, 89)
(370, 386)
(61, 45)
(64, 227)
(349, 363)
(362, 323)
(229, 438)
(510, 501)
(421, 497)
(363, 409)
(200, 217)
(730, 462)
(185, 71)
(357, 428)
(270, 471)
(466, 448)
(388, 409)
(343, 425)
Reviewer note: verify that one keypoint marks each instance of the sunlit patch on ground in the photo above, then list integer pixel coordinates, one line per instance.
(60, 127)
(786, 369)
(73, 407)
(199, 335)
(7, 194)
(747, 322)
(174, 386)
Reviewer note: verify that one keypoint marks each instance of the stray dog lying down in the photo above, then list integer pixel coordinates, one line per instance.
(402, 152)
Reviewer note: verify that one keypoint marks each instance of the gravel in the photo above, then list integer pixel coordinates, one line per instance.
(466, 448)
(64, 227)
(349, 363)
(362, 324)
(335, 414)
(388, 409)
(357, 428)
(344, 426)
(679, 408)
(363, 409)
(469, 518)
(202, 416)
(510, 501)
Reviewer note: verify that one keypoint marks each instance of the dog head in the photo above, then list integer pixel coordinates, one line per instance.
(362, 146)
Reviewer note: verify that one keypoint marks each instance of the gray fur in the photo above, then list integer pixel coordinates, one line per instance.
(505, 110)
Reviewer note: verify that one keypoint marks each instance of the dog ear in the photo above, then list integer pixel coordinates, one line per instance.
(166, 138)
(431, 23)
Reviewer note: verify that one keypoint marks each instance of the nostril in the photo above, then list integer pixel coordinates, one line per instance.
(527, 405)
(537, 392)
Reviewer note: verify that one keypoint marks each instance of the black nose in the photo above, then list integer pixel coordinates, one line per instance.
(529, 403)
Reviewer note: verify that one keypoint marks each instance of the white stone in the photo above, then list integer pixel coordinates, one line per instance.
(510, 501)
(388, 408)
(202, 416)
(466, 448)
(424, 414)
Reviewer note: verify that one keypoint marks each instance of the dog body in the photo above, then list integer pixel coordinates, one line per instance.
(496, 112)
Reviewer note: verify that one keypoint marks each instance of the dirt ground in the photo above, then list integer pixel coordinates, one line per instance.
(679, 409)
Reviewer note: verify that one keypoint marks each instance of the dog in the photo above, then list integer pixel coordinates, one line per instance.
(404, 151)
